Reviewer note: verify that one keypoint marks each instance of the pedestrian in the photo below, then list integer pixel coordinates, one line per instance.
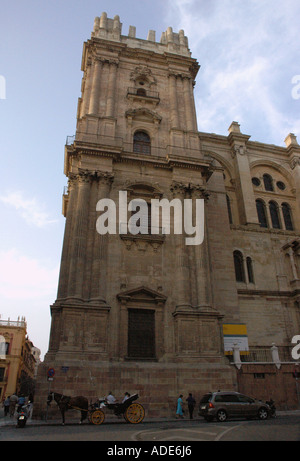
(179, 411)
(6, 406)
(191, 404)
(30, 405)
(126, 396)
(12, 404)
(21, 402)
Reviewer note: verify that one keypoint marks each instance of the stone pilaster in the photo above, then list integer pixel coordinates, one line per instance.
(201, 255)
(110, 104)
(65, 258)
(246, 199)
(173, 101)
(293, 149)
(87, 89)
(95, 90)
(79, 236)
(100, 246)
(189, 113)
(181, 269)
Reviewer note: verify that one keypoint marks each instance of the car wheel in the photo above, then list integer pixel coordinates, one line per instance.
(221, 416)
(262, 413)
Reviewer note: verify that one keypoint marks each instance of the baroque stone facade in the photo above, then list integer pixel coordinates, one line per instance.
(144, 313)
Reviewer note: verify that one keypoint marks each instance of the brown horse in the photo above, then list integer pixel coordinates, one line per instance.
(65, 403)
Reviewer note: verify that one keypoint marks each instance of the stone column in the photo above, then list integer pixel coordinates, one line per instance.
(295, 165)
(189, 113)
(87, 89)
(99, 265)
(202, 269)
(110, 104)
(183, 294)
(173, 101)
(65, 258)
(245, 193)
(293, 263)
(95, 90)
(79, 236)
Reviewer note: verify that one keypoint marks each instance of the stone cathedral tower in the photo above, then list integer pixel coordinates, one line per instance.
(139, 313)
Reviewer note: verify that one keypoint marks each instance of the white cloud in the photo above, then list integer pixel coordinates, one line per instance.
(248, 53)
(29, 209)
(24, 278)
(27, 287)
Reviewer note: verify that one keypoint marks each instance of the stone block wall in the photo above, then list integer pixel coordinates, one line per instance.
(267, 381)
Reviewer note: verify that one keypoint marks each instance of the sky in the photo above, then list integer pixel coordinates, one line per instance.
(249, 53)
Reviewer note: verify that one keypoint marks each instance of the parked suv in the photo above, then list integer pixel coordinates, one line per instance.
(223, 405)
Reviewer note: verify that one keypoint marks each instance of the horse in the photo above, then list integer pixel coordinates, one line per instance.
(65, 403)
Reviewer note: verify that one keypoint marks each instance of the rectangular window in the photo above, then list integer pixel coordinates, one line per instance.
(259, 376)
(2, 371)
(141, 333)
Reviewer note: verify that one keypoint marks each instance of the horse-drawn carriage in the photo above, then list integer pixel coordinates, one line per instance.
(132, 411)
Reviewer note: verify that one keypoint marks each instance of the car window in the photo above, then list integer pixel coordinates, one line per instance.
(206, 398)
(245, 399)
(230, 398)
(219, 398)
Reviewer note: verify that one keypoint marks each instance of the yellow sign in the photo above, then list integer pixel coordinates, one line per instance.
(235, 334)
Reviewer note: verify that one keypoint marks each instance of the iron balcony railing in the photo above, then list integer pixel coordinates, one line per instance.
(264, 355)
(126, 228)
(117, 144)
(142, 92)
(13, 323)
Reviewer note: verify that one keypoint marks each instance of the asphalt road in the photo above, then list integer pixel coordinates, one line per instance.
(285, 427)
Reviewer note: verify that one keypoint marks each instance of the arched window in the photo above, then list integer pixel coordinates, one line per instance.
(274, 213)
(141, 142)
(250, 269)
(261, 213)
(287, 216)
(268, 182)
(239, 266)
(229, 209)
(140, 219)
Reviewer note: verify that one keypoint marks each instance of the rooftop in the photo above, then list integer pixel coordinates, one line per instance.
(111, 29)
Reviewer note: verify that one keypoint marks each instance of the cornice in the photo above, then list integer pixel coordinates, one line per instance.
(269, 293)
(257, 228)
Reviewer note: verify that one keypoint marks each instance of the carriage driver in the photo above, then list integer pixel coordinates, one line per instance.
(110, 398)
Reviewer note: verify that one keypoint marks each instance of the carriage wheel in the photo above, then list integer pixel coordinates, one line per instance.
(135, 413)
(97, 417)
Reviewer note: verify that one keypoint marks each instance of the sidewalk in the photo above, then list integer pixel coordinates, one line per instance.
(109, 419)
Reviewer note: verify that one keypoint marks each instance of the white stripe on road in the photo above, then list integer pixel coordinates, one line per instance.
(228, 430)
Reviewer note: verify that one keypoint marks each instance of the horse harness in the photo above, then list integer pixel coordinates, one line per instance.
(65, 399)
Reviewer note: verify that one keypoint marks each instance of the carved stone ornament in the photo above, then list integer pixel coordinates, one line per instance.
(143, 73)
(143, 113)
(84, 175)
(181, 189)
(295, 162)
(178, 188)
(241, 150)
(200, 191)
